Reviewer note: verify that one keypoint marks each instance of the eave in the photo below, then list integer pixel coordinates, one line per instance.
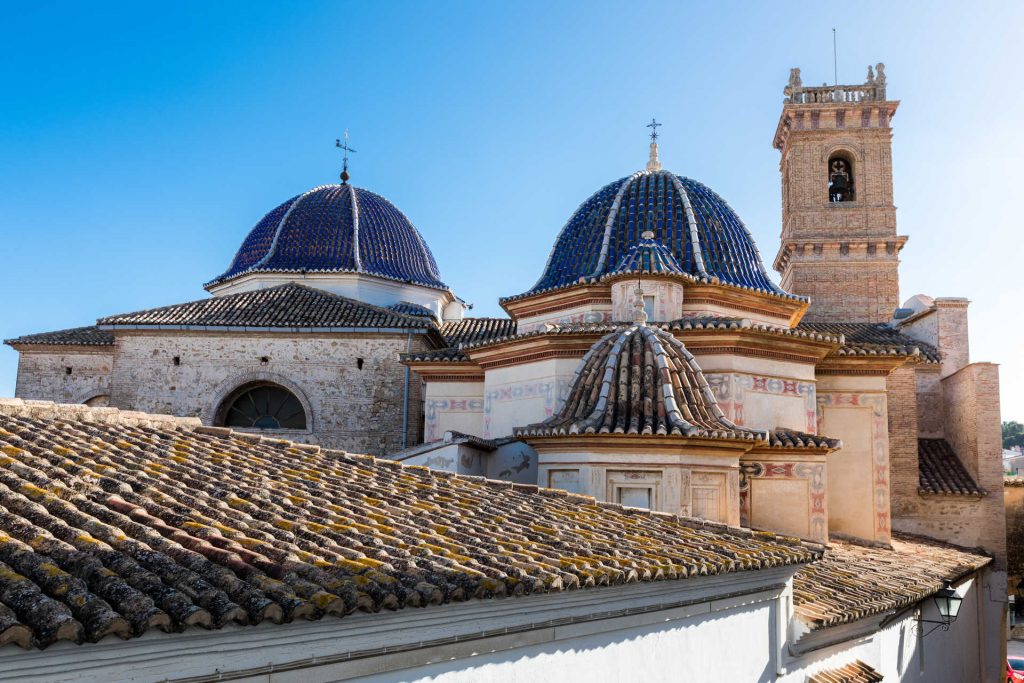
(750, 342)
(789, 110)
(455, 371)
(879, 366)
(788, 311)
(789, 245)
(650, 444)
(558, 299)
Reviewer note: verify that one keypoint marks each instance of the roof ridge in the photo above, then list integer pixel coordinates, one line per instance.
(109, 320)
(34, 338)
(18, 407)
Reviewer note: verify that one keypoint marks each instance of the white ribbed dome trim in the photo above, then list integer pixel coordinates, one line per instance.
(698, 255)
(280, 226)
(355, 228)
(609, 223)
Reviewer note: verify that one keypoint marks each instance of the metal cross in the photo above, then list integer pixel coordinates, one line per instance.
(653, 125)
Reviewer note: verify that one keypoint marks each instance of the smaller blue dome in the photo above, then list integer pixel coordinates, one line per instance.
(337, 229)
(648, 256)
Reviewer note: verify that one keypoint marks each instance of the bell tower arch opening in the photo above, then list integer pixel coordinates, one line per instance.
(840, 177)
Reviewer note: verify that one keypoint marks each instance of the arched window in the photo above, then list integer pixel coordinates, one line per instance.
(98, 401)
(262, 405)
(840, 178)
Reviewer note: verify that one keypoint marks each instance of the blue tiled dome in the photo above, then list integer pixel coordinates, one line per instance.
(337, 228)
(702, 234)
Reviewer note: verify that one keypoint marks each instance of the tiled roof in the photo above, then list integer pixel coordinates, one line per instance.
(507, 332)
(791, 438)
(640, 380)
(940, 471)
(1013, 480)
(705, 236)
(460, 333)
(337, 228)
(76, 336)
(436, 355)
(855, 581)
(117, 523)
(409, 308)
(854, 672)
(474, 330)
(287, 306)
(874, 339)
(684, 324)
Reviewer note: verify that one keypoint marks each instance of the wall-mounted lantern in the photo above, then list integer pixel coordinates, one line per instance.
(947, 603)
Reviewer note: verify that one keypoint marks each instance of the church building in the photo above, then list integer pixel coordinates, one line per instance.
(654, 368)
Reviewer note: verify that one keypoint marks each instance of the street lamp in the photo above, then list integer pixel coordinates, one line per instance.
(947, 602)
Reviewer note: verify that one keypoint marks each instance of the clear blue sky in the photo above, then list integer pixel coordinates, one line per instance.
(140, 142)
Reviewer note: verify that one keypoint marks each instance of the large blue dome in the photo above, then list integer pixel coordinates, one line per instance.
(706, 237)
(337, 229)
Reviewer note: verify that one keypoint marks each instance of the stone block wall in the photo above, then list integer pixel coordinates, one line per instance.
(971, 424)
(851, 287)
(349, 407)
(1013, 501)
(901, 396)
(953, 341)
(930, 406)
(44, 375)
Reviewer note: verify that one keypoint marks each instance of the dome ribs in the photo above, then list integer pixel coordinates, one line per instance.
(695, 231)
(640, 380)
(337, 228)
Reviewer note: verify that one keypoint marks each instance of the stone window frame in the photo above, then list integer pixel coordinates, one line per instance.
(210, 415)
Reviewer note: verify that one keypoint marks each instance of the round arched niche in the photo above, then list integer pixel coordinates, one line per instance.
(260, 401)
(98, 401)
(841, 170)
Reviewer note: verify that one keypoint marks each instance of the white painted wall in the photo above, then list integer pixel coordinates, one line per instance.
(697, 648)
(899, 654)
(453, 406)
(687, 630)
(524, 394)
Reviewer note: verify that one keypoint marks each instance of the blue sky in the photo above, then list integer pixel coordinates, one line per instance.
(140, 142)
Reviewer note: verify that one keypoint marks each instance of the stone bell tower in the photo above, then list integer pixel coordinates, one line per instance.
(839, 242)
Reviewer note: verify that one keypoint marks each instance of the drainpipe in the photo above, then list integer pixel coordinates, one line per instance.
(405, 400)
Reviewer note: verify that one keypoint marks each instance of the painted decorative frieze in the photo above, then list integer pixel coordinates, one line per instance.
(879, 448)
(813, 474)
(435, 408)
(551, 392)
(733, 392)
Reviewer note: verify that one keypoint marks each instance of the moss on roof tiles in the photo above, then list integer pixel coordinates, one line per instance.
(118, 523)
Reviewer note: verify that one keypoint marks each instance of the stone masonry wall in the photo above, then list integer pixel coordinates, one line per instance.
(348, 407)
(44, 375)
(849, 288)
(972, 427)
(901, 396)
(1013, 493)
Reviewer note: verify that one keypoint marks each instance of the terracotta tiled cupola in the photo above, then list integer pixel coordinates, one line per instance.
(641, 380)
